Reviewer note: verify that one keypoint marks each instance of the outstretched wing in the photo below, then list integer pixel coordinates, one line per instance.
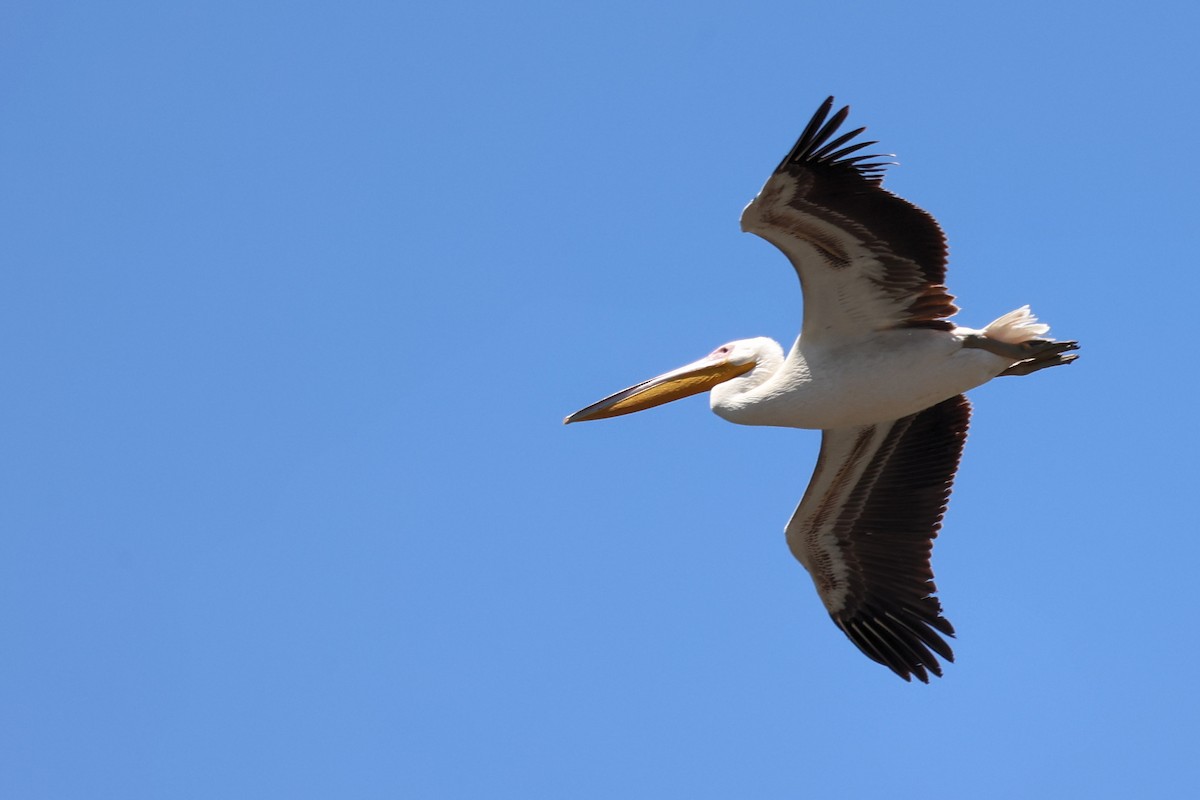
(867, 259)
(865, 530)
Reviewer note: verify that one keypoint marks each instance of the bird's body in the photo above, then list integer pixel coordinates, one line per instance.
(880, 370)
(878, 376)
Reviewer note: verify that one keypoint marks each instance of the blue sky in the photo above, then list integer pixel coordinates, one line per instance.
(296, 296)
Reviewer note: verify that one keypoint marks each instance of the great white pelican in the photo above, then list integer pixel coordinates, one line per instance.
(879, 369)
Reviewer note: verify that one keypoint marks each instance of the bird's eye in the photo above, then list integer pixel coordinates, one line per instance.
(723, 350)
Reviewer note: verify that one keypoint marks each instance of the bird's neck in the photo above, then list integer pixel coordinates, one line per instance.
(736, 399)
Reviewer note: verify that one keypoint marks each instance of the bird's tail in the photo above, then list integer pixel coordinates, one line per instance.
(1016, 327)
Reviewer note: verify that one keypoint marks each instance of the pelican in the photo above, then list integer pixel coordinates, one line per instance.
(879, 369)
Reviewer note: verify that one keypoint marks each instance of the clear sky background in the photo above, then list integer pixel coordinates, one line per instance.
(296, 295)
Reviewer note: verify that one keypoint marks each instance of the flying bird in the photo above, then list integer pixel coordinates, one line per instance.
(879, 369)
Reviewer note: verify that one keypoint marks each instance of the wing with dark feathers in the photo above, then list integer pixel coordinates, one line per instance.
(867, 259)
(865, 531)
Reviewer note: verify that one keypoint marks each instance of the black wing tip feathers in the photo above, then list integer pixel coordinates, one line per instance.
(902, 641)
(815, 146)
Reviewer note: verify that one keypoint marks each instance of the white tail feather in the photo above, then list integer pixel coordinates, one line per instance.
(1016, 327)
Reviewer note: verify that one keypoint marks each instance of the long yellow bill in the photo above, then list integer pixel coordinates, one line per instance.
(699, 376)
